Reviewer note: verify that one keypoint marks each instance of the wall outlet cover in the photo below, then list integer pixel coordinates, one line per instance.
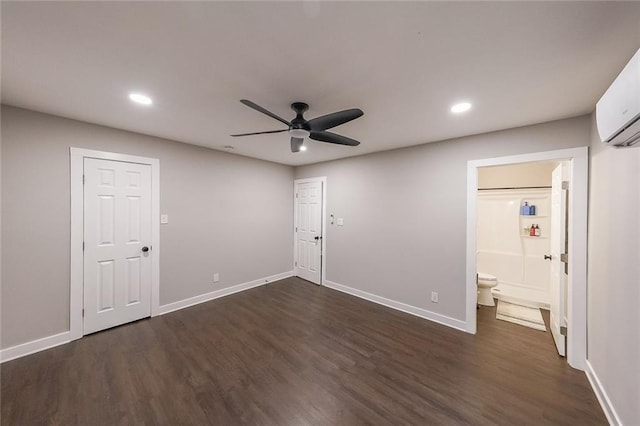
(434, 297)
(216, 277)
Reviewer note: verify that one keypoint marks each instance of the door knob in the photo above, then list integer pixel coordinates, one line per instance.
(145, 249)
(547, 257)
(316, 238)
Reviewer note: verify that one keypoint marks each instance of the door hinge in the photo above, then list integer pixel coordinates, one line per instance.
(563, 330)
(83, 179)
(295, 263)
(296, 229)
(296, 195)
(565, 185)
(564, 257)
(83, 246)
(83, 312)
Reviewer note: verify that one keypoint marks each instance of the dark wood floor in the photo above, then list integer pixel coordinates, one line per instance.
(293, 353)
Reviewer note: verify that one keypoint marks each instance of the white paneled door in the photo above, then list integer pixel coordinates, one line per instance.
(308, 230)
(117, 243)
(558, 282)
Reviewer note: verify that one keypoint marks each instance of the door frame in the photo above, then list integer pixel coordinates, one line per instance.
(76, 285)
(578, 159)
(323, 244)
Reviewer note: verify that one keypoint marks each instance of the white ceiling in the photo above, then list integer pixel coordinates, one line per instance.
(403, 64)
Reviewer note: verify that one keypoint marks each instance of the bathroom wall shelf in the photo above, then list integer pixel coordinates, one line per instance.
(533, 215)
(537, 238)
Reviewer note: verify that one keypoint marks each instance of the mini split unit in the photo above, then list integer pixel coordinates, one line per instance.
(618, 111)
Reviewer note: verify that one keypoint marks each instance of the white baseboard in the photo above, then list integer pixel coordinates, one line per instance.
(38, 345)
(419, 312)
(181, 304)
(34, 346)
(602, 396)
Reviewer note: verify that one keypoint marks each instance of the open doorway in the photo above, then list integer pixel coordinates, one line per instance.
(522, 245)
(576, 163)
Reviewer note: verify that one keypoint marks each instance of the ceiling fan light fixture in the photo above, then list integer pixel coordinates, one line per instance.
(299, 133)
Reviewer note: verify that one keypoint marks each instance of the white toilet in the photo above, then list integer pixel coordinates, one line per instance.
(485, 283)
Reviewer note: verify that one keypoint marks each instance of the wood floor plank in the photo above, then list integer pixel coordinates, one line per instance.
(292, 353)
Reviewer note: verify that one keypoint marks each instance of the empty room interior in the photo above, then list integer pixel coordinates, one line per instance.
(320, 213)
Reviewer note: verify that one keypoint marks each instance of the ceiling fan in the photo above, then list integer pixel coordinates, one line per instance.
(299, 128)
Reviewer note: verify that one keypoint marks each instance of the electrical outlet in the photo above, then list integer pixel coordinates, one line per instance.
(434, 297)
(216, 277)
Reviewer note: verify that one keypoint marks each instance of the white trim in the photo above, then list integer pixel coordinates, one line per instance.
(34, 346)
(603, 398)
(578, 203)
(323, 242)
(77, 156)
(419, 312)
(181, 304)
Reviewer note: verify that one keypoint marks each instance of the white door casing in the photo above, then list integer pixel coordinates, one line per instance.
(576, 307)
(557, 236)
(117, 238)
(77, 296)
(308, 231)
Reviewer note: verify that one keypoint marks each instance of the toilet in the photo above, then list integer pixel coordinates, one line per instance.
(485, 283)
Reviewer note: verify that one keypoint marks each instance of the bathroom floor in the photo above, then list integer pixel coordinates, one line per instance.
(489, 326)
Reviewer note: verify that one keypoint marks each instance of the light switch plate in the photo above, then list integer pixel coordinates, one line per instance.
(164, 218)
(340, 221)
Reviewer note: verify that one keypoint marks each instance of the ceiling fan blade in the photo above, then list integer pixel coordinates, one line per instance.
(335, 119)
(296, 143)
(261, 133)
(333, 138)
(264, 111)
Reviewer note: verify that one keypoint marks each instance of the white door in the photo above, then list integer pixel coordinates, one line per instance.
(117, 243)
(308, 230)
(558, 281)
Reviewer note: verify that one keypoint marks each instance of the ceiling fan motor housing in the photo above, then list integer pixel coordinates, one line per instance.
(299, 122)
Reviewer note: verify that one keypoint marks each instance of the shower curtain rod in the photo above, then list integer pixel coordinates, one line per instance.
(516, 187)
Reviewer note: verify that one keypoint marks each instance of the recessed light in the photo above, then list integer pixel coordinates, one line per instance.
(461, 107)
(140, 98)
(303, 148)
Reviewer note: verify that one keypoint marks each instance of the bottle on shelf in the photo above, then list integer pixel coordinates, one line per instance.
(532, 231)
(526, 210)
(532, 210)
(537, 231)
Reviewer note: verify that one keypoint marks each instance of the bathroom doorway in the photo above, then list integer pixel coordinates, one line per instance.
(521, 239)
(497, 241)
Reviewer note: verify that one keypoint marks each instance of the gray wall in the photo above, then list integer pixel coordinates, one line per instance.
(613, 332)
(228, 214)
(404, 211)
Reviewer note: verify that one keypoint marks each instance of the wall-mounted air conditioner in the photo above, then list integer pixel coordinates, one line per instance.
(618, 111)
